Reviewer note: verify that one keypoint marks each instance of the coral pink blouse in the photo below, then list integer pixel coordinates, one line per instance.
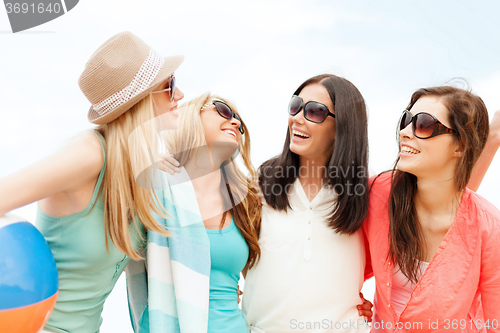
(460, 290)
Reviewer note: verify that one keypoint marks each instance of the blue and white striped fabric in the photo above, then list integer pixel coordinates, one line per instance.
(169, 291)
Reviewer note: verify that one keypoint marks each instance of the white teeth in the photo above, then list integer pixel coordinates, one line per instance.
(229, 132)
(409, 150)
(304, 135)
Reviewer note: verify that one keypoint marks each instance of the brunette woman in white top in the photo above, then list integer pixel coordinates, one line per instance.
(315, 199)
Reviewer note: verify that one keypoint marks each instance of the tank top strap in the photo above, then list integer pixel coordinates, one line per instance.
(101, 174)
(102, 142)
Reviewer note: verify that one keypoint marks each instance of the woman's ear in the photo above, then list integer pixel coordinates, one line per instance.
(459, 149)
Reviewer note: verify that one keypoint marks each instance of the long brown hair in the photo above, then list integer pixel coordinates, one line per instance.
(468, 116)
(349, 154)
(238, 191)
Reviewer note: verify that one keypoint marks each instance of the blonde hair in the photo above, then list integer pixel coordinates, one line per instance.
(131, 143)
(184, 143)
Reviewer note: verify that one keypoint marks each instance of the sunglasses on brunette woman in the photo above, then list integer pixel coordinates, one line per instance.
(315, 112)
(225, 112)
(424, 125)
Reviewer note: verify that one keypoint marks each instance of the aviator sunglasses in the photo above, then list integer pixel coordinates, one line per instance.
(225, 112)
(171, 88)
(424, 125)
(315, 112)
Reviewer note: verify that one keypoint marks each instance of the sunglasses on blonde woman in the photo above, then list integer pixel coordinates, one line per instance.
(424, 125)
(171, 88)
(225, 112)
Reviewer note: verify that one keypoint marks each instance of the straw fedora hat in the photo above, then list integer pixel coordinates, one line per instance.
(120, 73)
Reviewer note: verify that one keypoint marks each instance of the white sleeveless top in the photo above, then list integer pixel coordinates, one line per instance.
(309, 277)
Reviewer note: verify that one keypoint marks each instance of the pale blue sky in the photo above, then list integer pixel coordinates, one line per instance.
(254, 53)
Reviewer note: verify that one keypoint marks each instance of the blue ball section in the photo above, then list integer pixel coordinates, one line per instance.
(28, 272)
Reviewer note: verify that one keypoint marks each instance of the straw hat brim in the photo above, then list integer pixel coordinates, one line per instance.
(170, 64)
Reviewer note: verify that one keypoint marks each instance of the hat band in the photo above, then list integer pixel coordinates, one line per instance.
(141, 81)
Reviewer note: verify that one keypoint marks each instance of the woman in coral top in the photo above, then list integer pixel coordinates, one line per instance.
(435, 244)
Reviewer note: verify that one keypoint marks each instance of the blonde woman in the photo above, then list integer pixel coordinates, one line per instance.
(91, 211)
(192, 277)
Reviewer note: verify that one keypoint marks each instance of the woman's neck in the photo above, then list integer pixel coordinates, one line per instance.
(436, 202)
(205, 177)
(311, 175)
(204, 162)
(206, 185)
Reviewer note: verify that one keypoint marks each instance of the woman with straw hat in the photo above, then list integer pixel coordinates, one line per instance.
(91, 209)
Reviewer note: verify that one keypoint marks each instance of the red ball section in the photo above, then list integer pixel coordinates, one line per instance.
(27, 319)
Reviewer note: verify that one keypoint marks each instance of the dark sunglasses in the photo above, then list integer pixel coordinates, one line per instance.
(225, 112)
(171, 88)
(315, 112)
(424, 125)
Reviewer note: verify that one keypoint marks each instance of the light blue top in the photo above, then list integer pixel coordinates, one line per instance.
(87, 272)
(229, 255)
(190, 276)
(172, 294)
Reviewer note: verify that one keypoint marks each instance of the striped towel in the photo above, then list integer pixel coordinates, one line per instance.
(169, 290)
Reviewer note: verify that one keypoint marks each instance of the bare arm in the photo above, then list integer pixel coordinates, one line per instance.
(487, 155)
(67, 170)
(244, 271)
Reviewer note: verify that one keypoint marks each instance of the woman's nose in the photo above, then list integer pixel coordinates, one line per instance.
(178, 95)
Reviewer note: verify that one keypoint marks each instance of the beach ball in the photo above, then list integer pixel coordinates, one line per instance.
(28, 277)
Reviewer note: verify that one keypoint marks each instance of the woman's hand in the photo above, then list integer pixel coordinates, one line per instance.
(365, 309)
(169, 164)
(239, 293)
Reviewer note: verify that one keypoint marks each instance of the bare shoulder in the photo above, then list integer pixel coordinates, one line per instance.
(85, 149)
(72, 168)
(87, 140)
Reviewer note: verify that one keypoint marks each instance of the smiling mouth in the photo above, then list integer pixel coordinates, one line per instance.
(298, 134)
(230, 133)
(409, 150)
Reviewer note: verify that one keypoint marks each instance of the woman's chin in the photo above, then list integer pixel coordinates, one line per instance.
(402, 166)
(166, 122)
(224, 149)
(296, 149)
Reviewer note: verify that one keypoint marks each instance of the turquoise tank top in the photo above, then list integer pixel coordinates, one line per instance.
(87, 272)
(229, 255)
